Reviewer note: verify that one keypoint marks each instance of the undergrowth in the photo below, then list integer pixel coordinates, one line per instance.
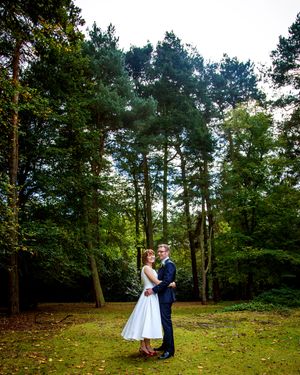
(257, 306)
(277, 300)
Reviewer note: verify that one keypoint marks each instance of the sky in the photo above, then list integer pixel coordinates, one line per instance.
(246, 29)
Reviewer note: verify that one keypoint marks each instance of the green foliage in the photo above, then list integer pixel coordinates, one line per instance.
(119, 279)
(286, 58)
(233, 83)
(244, 175)
(249, 271)
(58, 256)
(255, 306)
(257, 200)
(184, 284)
(282, 297)
(275, 299)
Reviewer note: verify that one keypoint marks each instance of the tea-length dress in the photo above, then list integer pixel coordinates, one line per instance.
(144, 321)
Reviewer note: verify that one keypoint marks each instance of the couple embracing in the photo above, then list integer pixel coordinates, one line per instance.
(154, 307)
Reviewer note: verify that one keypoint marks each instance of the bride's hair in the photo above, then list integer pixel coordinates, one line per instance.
(145, 254)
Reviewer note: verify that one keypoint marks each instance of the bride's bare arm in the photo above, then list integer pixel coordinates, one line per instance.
(151, 277)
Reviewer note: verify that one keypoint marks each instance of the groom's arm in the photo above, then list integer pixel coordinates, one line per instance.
(169, 276)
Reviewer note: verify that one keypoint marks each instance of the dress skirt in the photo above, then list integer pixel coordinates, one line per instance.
(145, 320)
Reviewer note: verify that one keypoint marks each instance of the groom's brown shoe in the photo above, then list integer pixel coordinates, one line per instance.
(166, 355)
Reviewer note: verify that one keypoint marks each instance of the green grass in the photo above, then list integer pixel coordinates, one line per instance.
(208, 341)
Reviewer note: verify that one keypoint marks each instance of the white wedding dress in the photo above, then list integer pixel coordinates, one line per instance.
(144, 321)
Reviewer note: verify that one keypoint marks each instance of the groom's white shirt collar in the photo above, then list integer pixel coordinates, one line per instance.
(164, 261)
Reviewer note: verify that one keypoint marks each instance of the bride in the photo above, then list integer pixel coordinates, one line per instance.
(144, 322)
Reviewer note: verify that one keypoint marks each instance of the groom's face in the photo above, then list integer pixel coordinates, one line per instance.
(162, 253)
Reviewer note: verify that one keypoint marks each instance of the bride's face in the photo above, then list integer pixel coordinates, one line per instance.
(151, 258)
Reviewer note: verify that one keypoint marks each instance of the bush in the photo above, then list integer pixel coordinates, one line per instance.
(280, 297)
(251, 306)
(120, 279)
(184, 285)
(275, 299)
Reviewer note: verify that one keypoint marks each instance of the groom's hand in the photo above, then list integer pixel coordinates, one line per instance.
(148, 292)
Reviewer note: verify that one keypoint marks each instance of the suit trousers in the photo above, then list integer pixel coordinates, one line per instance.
(168, 340)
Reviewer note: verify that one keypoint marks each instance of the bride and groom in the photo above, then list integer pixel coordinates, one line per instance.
(154, 307)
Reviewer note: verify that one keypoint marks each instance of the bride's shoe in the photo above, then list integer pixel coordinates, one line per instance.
(144, 351)
(151, 351)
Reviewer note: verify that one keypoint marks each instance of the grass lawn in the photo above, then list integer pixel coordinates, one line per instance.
(79, 339)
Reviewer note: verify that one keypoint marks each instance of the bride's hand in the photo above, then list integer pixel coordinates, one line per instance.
(172, 285)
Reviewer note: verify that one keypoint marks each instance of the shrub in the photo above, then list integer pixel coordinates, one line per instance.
(275, 299)
(184, 285)
(251, 306)
(280, 297)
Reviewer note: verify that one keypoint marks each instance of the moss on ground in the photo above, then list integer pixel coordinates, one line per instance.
(79, 339)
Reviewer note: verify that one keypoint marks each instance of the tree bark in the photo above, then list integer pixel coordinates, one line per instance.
(99, 297)
(165, 194)
(205, 256)
(92, 226)
(202, 250)
(186, 200)
(14, 306)
(210, 216)
(148, 205)
(90, 229)
(137, 223)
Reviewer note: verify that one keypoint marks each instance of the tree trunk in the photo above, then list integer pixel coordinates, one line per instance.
(231, 147)
(165, 194)
(95, 242)
(189, 224)
(14, 306)
(13, 272)
(137, 224)
(89, 234)
(99, 297)
(89, 239)
(148, 205)
(205, 256)
(202, 250)
(92, 225)
(210, 216)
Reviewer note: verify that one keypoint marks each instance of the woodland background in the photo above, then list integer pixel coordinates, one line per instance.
(105, 152)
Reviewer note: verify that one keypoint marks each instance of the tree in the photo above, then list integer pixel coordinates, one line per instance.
(184, 111)
(286, 62)
(233, 82)
(106, 104)
(26, 30)
(245, 177)
(245, 185)
(140, 68)
(285, 72)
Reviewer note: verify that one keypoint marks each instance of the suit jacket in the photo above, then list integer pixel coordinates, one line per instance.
(167, 274)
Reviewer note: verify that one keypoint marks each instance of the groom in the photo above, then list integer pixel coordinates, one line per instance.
(166, 297)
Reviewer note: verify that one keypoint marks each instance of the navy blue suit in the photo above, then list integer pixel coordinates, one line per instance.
(166, 297)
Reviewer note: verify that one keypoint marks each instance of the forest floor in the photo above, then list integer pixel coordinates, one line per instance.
(79, 339)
